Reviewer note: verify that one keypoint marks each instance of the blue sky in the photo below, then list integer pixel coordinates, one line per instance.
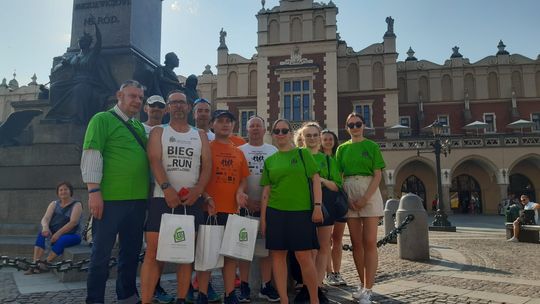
(34, 31)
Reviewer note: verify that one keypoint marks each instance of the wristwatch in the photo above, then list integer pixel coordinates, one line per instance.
(165, 185)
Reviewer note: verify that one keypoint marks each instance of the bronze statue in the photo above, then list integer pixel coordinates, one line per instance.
(165, 79)
(81, 84)
(190, 90)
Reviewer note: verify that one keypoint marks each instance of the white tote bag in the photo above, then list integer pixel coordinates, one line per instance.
(209, 238)
(176, 243)
(239, 237)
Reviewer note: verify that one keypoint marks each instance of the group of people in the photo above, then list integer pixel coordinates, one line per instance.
(136, 172)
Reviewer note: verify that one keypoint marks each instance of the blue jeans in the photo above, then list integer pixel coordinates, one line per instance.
(64, 241)
(125, 218)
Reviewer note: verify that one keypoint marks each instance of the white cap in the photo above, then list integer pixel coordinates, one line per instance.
(155, 98)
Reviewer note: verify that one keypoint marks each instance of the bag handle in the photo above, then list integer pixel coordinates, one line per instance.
(247, 211)
(185, 210)
(212, 220)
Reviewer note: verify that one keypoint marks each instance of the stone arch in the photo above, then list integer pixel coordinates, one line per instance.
(252, 86)
(493, 85)
(484, 172)
(446, 87)
(352, 77)
(484, 162)
(232, 84)
(470, 85)
(319, 31)
(423, 88)
(378, 75)
(273, 31)
(517, 83)
(421, 167)
(296, 29)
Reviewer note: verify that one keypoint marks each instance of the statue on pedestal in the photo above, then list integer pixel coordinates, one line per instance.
(165, 79)
(81, 84)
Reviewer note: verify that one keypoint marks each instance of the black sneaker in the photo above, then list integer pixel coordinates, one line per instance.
(322, 297)
(269, 293)
(231, 298)
(202, 298)
(180, 301)
(302, 296)
(245, 293)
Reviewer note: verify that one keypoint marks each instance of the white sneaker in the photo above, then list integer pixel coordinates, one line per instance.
(366, 297)
(359, 293)
(331, 279)
(339, 279)
(513, 239)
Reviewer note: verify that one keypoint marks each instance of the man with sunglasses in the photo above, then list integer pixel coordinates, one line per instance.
(155, 109)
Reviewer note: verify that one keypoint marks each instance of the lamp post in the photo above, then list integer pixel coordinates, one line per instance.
(441, 222)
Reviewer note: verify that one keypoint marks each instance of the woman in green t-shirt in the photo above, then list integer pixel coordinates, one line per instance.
(287, 215)
(330, 182)
(361, 162)
(329, 145)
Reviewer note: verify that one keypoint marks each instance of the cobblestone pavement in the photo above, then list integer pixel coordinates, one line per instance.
(467, 266)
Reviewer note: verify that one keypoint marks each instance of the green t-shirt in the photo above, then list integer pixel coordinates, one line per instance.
(334, 174)
(284, 172)
(125, 164)
(359, 158)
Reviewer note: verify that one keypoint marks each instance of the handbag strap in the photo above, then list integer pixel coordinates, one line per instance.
(130, 128)
(328, 165)
(307, 178)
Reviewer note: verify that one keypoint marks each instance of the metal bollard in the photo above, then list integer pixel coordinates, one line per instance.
(413, 242)
(389, 217)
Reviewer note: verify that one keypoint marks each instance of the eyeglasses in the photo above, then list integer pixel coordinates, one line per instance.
(313, 135)
(283, 131)
(157, 105)
(353, 125)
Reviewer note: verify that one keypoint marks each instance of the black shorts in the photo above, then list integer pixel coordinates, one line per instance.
(290, 230)
(341, 220)
(157, 206)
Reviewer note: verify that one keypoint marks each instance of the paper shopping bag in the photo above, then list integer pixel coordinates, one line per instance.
(176, 242)
(239, 237)
(207, 255)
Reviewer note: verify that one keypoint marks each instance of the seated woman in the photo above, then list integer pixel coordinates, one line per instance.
(60, 224)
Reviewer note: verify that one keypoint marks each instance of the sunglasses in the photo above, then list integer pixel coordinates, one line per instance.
(283, 131)
(353, 125)
(314, 135)
(157, 105)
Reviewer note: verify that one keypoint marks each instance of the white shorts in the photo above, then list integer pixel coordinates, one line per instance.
(356, 186)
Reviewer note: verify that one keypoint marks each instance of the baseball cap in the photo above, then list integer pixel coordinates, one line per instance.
(155, 98)
(200, 100)
(219, 113)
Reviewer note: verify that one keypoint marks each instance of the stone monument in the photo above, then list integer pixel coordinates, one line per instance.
(30, 169)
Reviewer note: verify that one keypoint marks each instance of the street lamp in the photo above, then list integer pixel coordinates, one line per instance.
(441, 222)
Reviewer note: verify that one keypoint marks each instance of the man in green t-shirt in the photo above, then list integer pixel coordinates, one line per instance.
(115, 169)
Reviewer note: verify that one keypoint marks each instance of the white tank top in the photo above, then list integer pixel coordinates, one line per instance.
(180, 157)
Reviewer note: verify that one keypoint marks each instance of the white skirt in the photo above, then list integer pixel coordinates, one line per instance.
(356, 186)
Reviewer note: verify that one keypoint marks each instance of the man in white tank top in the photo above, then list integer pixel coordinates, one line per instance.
(256, 151)
(180, 158)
